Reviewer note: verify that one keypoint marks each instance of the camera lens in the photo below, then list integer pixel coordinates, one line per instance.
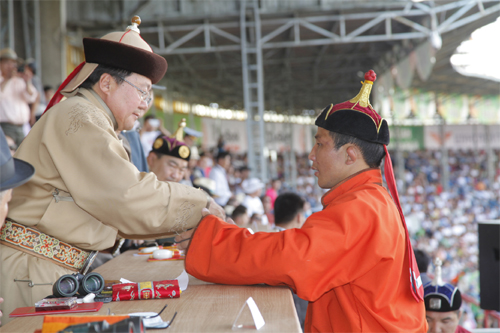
(91, 283)
(65, 286)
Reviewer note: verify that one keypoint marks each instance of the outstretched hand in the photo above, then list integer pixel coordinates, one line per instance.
(183, 240)
(215, 209)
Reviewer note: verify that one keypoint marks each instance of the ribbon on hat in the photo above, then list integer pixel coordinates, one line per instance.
(417, 288)
(58, 96)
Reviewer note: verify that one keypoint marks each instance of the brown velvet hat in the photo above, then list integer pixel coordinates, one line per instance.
(173, 146)
(123, 50)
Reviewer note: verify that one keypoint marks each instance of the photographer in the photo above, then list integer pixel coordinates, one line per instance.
(16, 93)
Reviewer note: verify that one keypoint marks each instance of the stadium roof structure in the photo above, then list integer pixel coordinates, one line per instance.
(299, 54)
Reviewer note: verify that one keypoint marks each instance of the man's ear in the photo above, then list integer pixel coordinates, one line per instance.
(105, 83)
(352, 154)
(151, 158)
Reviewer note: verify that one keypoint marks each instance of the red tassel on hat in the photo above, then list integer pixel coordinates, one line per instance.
(58, 96)
(417, 288)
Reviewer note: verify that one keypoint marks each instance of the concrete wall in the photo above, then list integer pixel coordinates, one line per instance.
(52, 41)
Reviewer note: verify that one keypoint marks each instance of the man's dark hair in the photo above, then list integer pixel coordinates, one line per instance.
(116, 73)
(222, 154)
(239, 210)
(423, 260)
(47, 87)
(286, 207)
(373, 153)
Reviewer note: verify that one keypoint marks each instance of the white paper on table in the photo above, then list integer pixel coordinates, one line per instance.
(122, 280)
(183, 280)
(257, 318)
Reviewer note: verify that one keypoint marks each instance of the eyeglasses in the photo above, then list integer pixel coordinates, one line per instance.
(145, 96)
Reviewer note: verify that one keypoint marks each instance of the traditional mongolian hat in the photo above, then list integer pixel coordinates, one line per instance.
(122, 50)
(173, 146)
(356, 117)
(440, 296)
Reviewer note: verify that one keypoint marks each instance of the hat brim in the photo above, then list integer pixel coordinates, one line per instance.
(250, 190)
(127, 57)
(24, 172)
(82, 75)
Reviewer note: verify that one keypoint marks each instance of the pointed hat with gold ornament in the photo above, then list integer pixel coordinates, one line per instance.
(122, 50)
(356, 117)
(173, 145)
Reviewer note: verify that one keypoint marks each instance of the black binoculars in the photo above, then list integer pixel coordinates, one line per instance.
(68, 285)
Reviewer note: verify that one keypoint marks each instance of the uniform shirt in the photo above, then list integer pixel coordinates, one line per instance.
(14, 100)
(348, 260)
(222, 191)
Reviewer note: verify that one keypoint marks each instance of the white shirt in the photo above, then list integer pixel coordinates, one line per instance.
(254, 206)
(222, 190)
(147, 140)
(14, 100)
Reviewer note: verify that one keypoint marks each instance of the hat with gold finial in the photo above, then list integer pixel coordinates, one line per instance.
(440, 296)
(122, 50)
(173, 145)
(356, 117)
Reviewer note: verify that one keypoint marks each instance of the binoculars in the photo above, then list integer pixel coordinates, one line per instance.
(70, 284)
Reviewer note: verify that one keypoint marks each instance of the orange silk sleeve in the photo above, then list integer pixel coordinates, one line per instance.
(328, 251)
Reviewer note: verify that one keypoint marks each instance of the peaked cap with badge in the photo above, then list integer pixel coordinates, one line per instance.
(356, 117)
(173, 145)
(122, 50)
(440, 296)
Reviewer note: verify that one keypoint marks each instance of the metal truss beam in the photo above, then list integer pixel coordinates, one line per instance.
(303, 26)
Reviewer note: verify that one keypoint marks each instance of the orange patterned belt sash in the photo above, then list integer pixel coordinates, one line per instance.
(37, 243)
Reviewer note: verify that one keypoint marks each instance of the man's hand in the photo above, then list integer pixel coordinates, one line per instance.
(216, 210)
(184, 239)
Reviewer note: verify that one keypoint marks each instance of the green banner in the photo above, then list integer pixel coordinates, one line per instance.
(406, 137)
(485, 108)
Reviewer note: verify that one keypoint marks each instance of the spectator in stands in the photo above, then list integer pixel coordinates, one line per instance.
(40, 104)
(169, 156)
(423, 261)
(442, 305)
(16, 92)
(151, 129)
(244, 174)
(273, 191)
(198, 170)
(289, 211)
(14, 172)
(219, 174)
(288, 214)
(240, 216)
(253, 189)
(268, 210)
(206, 184)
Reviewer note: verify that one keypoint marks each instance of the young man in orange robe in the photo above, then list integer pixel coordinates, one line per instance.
(352, 261)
